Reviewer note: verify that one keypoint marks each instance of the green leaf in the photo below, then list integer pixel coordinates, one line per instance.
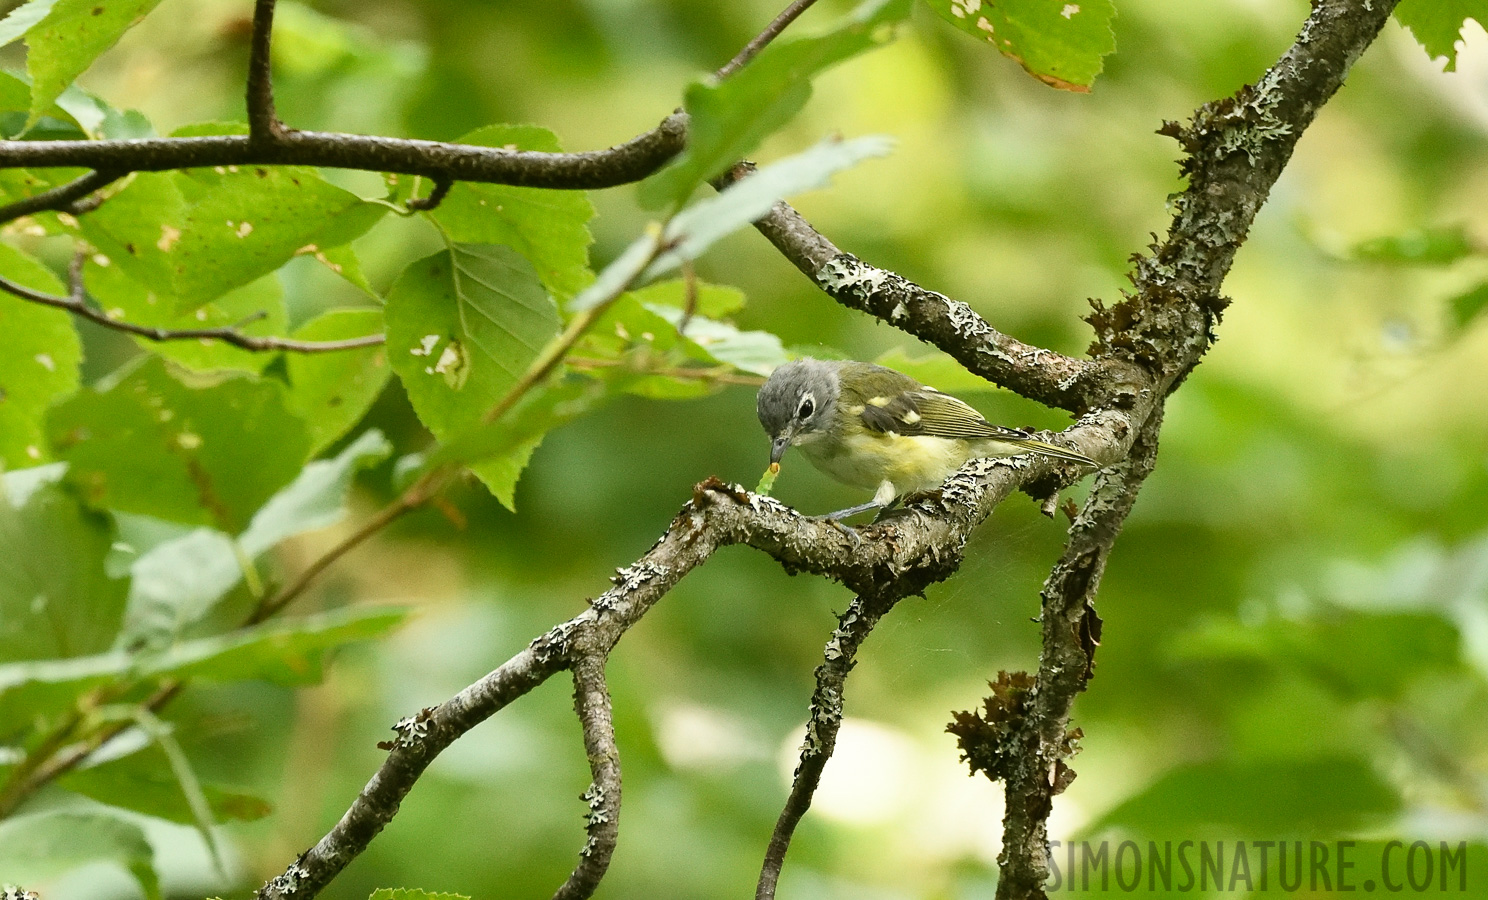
(463, 325)
(548, 227)
(143, 782)
(1437, 24)
(284, 651)
(729, 119)
(1420, 246)
(1355, 655)
(332, 391)
(178, 581)
(1281, 798)
(39, 363)
(716, 301)
(204, 455)
(696, 228)
(938, 370)
(194, 235)
(259, 304)
(756, 352)
(412, 894)
(343, 261)
(40, 846)
(21, 20)
(69, 38)
(56, 599)
(1059, 43)
(1466, 307)
(317, 498)
(544, 409)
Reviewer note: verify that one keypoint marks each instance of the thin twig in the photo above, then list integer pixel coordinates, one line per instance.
(759, 42)
(264, 126)
(552, 355)
(436, 196)
(415, 496)
(67, 197)
(602, 821)
(717, 374)
(76, 305)
(689, 296)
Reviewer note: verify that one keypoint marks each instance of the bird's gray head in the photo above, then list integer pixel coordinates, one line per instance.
(797, 403)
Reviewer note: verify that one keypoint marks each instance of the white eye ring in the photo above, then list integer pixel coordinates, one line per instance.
(808, 406)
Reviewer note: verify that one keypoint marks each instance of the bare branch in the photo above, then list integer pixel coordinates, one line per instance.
(899, 556)
(853, 627)
(1051, 378)
(592, 704)
(264, 126)
(412, 498)
(626, 163)
(1039, 745)
(436, 197)
(65, 197)
(232, 334)
(761, 40)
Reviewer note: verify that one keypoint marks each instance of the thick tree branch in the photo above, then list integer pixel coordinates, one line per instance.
(1071, 631)
(438, 160)
(1237, 149)
(900, 556)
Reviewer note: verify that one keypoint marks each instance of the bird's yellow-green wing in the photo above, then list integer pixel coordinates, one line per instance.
(929, 413)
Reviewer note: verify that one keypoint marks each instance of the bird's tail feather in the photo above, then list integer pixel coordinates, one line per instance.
(1047, 449)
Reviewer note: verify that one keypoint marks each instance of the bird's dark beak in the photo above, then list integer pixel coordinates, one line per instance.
(778, 447)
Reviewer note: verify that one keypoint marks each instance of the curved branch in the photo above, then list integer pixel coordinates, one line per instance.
(1071, 633)
(65, 197)
(1051, 378)
(592, 704)
(438, 160)
(899, 556)
(229, 334)
(853, 627)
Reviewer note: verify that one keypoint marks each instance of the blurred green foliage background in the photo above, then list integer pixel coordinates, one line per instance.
(1296, 633)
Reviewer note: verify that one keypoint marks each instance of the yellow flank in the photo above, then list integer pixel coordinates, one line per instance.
(911, 464)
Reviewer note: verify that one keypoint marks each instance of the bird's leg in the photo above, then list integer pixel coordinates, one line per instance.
(886, 498)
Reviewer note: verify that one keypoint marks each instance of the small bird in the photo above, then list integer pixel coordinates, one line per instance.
(872, 427)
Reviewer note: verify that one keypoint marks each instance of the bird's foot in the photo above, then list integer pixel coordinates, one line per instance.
(835, 521)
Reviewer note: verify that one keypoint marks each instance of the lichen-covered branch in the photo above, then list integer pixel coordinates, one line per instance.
(602, 821)
(1033, 749)
(853, 627)
(900, 556)
(1236, 150)
(1051, 378)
